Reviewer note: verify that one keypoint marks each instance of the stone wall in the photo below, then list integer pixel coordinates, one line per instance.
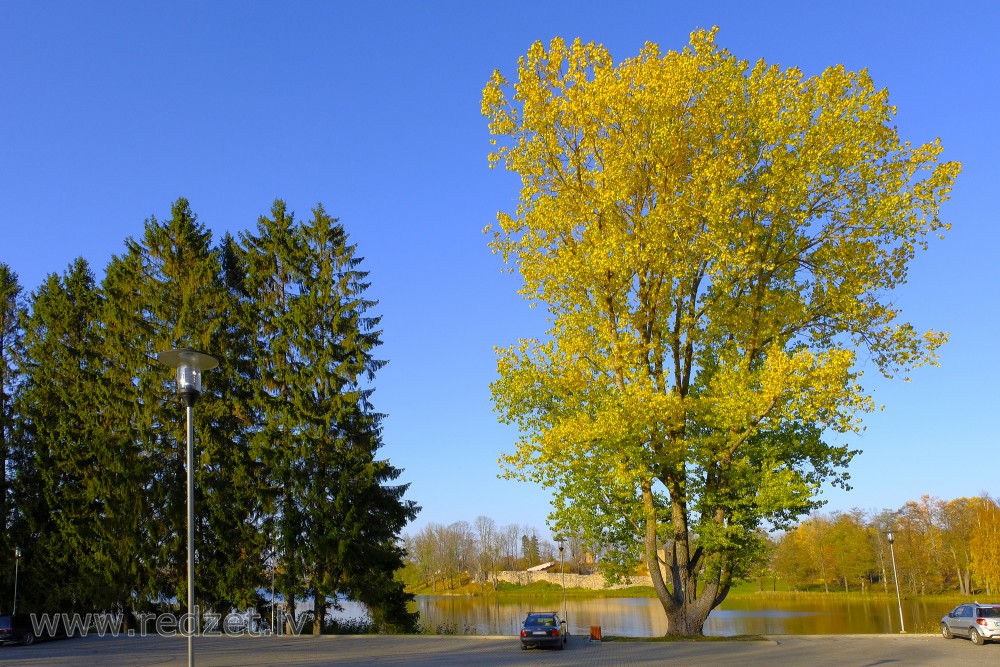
(593, 581)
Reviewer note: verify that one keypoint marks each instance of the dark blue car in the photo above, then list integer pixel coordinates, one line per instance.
(543, 628)
(17, 629)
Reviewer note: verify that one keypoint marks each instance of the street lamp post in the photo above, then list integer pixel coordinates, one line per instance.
(562, 566)
(274, 565)
(189, 365)
(17, 563)
(895, 578)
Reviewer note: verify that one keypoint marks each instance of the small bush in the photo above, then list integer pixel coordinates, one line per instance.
(350, 626)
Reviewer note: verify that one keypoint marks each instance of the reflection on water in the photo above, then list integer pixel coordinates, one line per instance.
(643, 617)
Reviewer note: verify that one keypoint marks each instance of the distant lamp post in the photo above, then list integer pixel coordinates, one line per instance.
(895, 578)
(562, 566)
(17, 563)
(189, 365)
(274, 566)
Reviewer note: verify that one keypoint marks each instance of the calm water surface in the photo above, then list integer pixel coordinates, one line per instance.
(642, 617)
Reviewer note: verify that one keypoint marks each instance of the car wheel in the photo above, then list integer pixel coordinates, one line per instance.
(946, 631)
(27, 639)
(976, 638)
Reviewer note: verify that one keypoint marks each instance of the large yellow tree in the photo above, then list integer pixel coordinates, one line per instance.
(714, 241)
(985, 545)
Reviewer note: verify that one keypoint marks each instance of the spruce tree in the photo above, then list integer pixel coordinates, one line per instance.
(231, 507)
(129, 536)
(337, 518)
(270, 279)
(65, 471)
(10, 342)
(163, 292)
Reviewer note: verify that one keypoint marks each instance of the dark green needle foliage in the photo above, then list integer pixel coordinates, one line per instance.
(163, 292)
(335, 515)
(11, 317)
(69, 478)
(287, 477)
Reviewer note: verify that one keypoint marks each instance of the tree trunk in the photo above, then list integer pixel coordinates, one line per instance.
(686, 621)
(686, 611)
(822, 574)
(289, 614)
(319, 612)
(963, 589)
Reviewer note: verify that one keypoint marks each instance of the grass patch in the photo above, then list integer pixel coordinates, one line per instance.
(545, 590)
(541, 589)
(949, 598)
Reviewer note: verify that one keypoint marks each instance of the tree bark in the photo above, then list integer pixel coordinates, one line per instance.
(686, 611)
(319, 611)
(289, 614)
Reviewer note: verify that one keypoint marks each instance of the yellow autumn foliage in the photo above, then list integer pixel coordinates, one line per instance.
(715, 242)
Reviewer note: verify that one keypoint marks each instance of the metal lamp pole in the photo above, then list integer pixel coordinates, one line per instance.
(274, 565)
(17, 562)
(562, 566)
(895, 578)
(189, 365)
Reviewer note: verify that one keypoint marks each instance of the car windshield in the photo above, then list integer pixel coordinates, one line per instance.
(540, 620)
(989, 612)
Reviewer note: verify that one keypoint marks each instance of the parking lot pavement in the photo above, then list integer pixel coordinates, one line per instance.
(465, 651)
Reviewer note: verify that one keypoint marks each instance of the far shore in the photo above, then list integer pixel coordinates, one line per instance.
(542, 589)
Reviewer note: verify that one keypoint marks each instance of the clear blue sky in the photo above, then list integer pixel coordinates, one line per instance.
(109, 111)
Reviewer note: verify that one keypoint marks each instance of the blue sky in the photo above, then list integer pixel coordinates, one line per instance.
(109, 111)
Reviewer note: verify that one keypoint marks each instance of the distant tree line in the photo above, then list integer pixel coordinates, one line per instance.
(446, 557)
(939, 546)
(288, 482)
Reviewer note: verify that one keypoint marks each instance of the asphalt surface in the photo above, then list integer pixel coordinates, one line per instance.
(465, 651)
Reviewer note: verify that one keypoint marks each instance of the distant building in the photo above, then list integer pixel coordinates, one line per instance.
(542, 567)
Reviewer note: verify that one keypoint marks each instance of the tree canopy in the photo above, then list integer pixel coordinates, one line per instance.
(287, 476)
(714, 241)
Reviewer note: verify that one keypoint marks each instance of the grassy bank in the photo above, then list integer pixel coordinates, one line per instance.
(548, 590)
(535, 589)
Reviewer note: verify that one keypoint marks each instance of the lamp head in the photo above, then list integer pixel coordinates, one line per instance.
(189, 365)
(888, 536)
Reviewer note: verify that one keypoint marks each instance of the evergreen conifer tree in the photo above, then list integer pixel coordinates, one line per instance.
(270, 277)
(337, 518)
(10, 342)
(286, 433)
(65, 471)
(163, 292)
(231, 506)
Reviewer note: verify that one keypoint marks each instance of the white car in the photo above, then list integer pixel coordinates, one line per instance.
(978, 622)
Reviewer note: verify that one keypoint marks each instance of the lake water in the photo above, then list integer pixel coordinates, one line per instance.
(644, 617)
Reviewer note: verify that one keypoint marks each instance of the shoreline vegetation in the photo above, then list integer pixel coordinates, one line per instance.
(746, 596)
(547, 590)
